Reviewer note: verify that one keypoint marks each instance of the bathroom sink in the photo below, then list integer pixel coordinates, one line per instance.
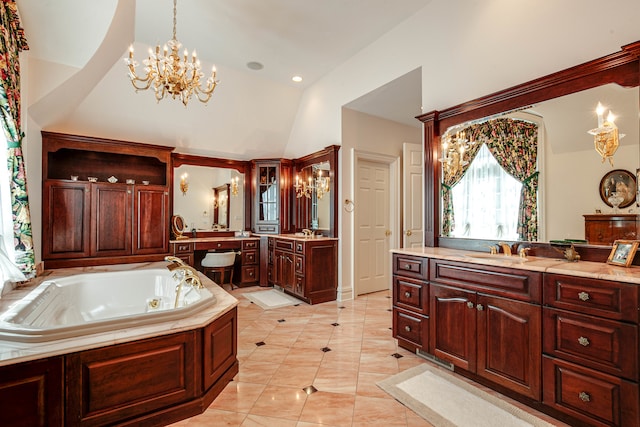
(499, 258)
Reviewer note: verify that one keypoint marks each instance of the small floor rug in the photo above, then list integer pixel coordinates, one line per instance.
(272, 298)
(446, 401)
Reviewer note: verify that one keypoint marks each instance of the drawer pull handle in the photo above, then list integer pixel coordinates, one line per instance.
(583, 341)
(583, 296)
(407, 266)
(407, 328)
(470, 304)
(407, 294)
(584, 396)
(480, 307)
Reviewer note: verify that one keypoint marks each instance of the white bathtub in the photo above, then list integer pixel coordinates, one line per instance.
(96, 302)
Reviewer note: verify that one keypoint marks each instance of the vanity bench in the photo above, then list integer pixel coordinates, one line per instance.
(247, 267)
(559, 336)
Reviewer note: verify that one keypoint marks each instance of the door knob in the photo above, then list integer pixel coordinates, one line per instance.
(387, 233)
(408, 233)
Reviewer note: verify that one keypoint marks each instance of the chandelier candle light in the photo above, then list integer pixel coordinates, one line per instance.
(606, 137)
(168, 74)
(234, 186)
(321, 186)
(453, 149)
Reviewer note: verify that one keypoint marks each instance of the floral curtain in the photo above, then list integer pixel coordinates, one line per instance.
(12, 42)
(451, 176)
(514, 144)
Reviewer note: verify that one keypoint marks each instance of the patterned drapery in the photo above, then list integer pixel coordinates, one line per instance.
(514, 144)
(12, 42)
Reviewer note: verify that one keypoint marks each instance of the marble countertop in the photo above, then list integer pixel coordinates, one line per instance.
(14, 352)
(593, 270)
(303, 238)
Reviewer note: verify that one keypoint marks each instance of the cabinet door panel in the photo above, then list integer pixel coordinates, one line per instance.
(453, 326)
(151, 221)
(111, 209)
(66, 220)
(510, 344)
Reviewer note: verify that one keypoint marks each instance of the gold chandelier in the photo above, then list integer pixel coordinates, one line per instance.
(606, 137)
(453, 150)
(319, 185)
(168, 74)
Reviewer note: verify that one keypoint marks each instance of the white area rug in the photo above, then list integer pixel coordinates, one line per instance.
(272, 298)
(446, 401)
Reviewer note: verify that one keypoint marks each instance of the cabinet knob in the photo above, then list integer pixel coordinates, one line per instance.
(583, 296)
(583, 341)
(407, 266)
(407, 294)
(469, 304)
(480, 307)
(584, 396)
(407, 328)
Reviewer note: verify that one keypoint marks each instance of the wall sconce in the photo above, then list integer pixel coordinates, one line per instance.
(302, 188)
(234, 186)
(453, 149)
(606, 137)
(220, 202)
(184, 185)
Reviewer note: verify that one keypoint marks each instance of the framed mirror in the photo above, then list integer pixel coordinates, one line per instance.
(618, 70)
(177, 227)
(316, 196)
(207, 179)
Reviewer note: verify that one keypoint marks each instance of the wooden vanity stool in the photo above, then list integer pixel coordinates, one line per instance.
(219, 262)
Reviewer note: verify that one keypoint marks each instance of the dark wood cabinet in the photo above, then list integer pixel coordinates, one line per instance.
(591, 356)
(90, 223)
(32, 393)
(411, 292)
(487, 320)
(271, 193)
(305, 268)
(604, 229)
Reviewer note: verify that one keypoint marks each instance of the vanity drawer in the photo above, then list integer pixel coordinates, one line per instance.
(411, 294)
(250, 244)
(606, 345)
(300, 247)
(299, 264)
(612, 300)
(249, 257)
(523, 285)
(411, 266)
(412, 328)
(249, 273)
(215, 245)
(593, 397)
(285, 244)
(182, 248)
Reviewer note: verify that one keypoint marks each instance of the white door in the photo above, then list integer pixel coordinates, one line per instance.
(412, 216)
(372, 232)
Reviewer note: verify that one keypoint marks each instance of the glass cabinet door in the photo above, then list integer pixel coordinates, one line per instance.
(268, 193)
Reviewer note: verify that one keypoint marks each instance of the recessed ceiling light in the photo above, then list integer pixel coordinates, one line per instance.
(296, 79)
(254, 65)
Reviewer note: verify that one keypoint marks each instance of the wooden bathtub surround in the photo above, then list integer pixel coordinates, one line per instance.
(148, 375)
(559, 336)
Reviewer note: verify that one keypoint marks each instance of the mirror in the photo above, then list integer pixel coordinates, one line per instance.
(221, 206)
(177, 227)
(317, 179)
(319, 210)
(197, 205)
(570, 170)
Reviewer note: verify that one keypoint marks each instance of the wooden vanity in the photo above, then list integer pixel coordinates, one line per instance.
(559, 336)
(247, 268)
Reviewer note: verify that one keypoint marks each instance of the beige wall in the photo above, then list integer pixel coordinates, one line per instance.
(364, 133)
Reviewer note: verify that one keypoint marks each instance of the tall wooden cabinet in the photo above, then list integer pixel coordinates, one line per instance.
(86, 223)
(272, 196)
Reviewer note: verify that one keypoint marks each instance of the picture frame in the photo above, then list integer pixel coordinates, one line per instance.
(623, 252)
(621, 181)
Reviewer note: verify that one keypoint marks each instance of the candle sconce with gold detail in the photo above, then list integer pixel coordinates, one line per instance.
(606, 137)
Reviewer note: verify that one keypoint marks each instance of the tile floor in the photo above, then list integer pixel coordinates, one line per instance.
(304, 366)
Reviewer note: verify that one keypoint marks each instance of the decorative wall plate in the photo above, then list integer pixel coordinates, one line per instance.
(621, 181)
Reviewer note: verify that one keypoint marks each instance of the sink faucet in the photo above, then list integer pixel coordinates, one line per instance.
(506, 248)
(185, 274)
(307, 232)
